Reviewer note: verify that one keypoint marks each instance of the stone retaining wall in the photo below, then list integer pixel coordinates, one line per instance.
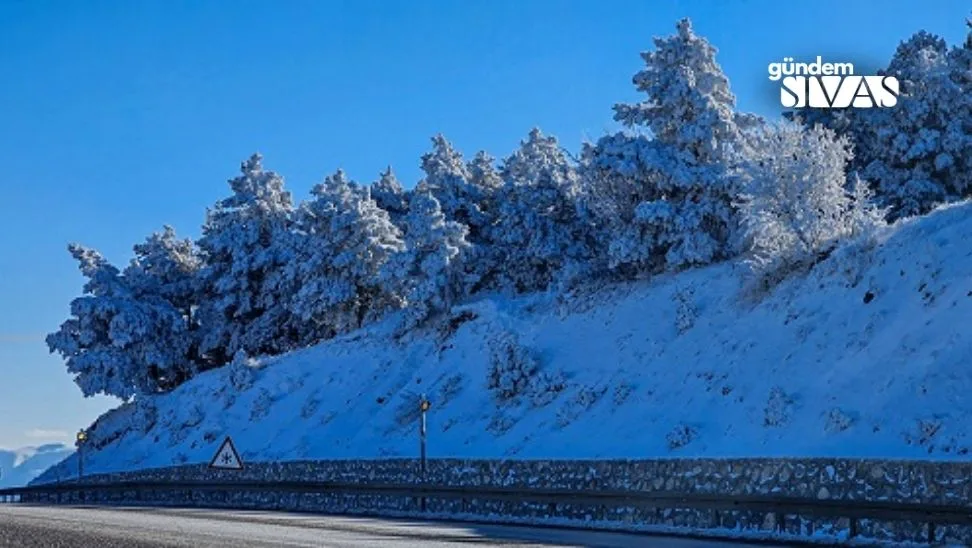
(902, 481)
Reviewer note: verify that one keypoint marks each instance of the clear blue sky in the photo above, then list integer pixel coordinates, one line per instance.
(117, 117)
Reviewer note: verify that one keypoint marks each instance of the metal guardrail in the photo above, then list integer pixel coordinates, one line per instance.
(783, 507)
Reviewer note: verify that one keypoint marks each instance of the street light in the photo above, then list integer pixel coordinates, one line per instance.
(79, 443)
(424, 406)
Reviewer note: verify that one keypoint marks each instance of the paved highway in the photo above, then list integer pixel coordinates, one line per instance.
(26, 526)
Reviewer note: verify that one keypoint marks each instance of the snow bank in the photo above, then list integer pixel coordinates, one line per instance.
(866, 356)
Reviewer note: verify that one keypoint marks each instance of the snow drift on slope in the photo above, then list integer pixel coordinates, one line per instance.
(866, 356)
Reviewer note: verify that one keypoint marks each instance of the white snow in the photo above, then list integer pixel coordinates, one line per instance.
(685, 365)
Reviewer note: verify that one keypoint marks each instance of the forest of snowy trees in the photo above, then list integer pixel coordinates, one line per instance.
(689, 182)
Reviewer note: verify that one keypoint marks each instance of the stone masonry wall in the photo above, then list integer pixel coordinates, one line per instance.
(842, 479)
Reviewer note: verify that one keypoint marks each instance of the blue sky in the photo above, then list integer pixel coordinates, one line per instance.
(119, 117)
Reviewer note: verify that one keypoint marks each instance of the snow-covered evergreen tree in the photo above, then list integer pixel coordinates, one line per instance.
(797, 205)
(484, 176)
(539, 226)
(119, 342)
(919, 153)
(667, 201)
(689, 104)
(466, 194)
(167, 266)
(345, 239)
(451, 183)
(243, 294)
(484, 259)
(627, 178)
(388, 193)
(427, 273)
(907, 148)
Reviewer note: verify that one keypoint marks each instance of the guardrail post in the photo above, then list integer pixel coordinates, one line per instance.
(852, 531)
(931, 532)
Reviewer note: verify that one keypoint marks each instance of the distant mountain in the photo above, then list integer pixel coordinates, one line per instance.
(19, 466)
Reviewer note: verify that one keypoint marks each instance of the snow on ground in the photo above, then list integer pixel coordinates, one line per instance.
(19, 466)
(866, 356)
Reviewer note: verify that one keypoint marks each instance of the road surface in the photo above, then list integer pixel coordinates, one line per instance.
(26, 526)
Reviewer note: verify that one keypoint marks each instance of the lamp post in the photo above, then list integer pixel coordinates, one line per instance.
(79, 443)
(424, 405)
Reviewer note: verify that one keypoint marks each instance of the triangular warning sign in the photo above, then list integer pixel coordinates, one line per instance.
(226, 457)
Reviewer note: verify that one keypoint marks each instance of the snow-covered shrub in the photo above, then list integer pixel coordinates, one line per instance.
(511, 367)
(544, 387)
(261, 405)
(680, 436)
(779, 408)
(924, 432)
(584, 399)
(500, 423)
(242, 371)
(837, 421)
(796, 206)
(449, 389)
(685, 310)
(310, 407)
(622, 392)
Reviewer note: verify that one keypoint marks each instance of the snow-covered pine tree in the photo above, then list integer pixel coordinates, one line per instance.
(427, 273)
(483, 259)
(345, 240)
(958, 135)
(388, 193)
(167, 266)
(118, 344)
(451, 183)
(905, 149)
(540, 227)
(667, 202)
(466, 195)
(483, 175)
(919, 153)
(689, 104)
(622, 176)
(796, 204)
(242, 305)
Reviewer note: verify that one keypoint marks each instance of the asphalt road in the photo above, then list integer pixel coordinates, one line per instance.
(26, 526)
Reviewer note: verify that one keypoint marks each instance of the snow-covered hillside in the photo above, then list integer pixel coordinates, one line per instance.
(19, 466)
(867, 355)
